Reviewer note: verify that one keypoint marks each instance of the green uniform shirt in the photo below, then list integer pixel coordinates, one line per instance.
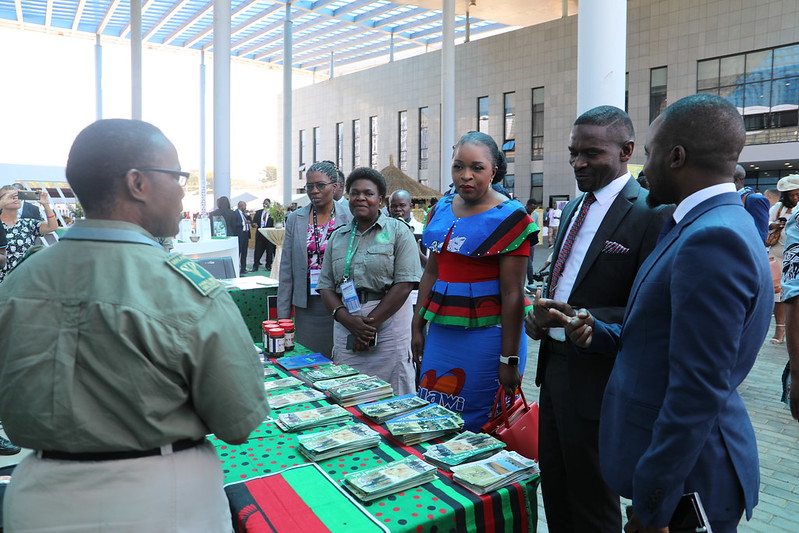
(386, 254)
(105, 346)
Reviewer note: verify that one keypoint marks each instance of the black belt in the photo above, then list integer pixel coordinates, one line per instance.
(177, 446)
(368, 296)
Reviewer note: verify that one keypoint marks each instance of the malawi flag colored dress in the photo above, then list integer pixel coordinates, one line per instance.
(460, 368)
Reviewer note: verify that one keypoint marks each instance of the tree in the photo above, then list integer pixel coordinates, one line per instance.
(270, 174)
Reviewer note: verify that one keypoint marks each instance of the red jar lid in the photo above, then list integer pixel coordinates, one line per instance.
(276, 332)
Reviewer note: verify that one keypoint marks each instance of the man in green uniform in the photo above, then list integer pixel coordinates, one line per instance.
(116, 358)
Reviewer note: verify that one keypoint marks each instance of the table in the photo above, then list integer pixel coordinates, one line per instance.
(276, 237)
(251, 295)
(441, 505)
(216, 247)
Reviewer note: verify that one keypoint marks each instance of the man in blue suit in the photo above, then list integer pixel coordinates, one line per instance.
(672, 421)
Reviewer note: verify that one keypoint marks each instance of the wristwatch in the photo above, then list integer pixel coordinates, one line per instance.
(512, 360)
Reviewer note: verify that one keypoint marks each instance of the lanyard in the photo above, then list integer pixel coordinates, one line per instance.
(350, 252)
(319, 253)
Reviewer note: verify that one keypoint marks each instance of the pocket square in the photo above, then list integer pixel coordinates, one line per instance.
(614, 248)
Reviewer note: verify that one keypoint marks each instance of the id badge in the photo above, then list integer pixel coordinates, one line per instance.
(314, 280)
(350, 297)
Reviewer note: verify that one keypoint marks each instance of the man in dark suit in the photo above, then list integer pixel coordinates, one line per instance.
(261, 219)
(672, 419)
(243, 223)
(605, 236)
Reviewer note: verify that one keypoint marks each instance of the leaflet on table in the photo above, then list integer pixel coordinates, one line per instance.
(369, 383)
(310, 418)
(326, 384)
(282, 383)
(430, 411)
(301, 361)
(464, 447)
(392, 407)
(501, 469)
(295, 397)
(328, 440)
(270, 371)
(327, 372)
(426, 425)
(389, 478)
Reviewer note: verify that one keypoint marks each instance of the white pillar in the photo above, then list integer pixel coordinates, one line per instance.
(98, 77)
(203, 178)
(447, 92)
(221, 98)
(601, 54)
(135, 60)
(288, 171)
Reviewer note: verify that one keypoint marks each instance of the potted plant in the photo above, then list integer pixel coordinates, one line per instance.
(278, 214)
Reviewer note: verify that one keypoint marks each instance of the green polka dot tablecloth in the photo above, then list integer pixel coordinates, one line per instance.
(440, 506)
(253, 306)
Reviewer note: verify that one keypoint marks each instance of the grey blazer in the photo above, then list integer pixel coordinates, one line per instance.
(293, 282)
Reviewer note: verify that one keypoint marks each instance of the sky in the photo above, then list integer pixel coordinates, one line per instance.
(48, 96)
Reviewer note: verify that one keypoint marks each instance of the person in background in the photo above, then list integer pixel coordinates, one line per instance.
(755, 203)
(261, 219)
(27, 210)
(6, 199)
(400, 206)
(790, 302)
(339, 182)
(117, 359)
(243, 223)
(531, 207)
(778, 216)
(21, 233)
(232, 222)
(554, 224)
(378, 255)
(472, 290)
(307, 232)
(773, 196)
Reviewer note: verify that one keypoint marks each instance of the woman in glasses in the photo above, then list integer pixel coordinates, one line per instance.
(21, 232)
(307, 231)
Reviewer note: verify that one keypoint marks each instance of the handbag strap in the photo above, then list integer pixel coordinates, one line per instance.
(500, 399)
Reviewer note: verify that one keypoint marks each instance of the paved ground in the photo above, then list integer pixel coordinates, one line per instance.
(777, 433)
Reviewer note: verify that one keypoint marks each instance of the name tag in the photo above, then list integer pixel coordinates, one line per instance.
(350, 297)
(314, 280)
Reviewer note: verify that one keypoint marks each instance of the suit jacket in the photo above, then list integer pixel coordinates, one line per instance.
(672, 420)
(758, 206)
(293, 286)
(603, 284)
(243, 228)
(256, 221)
(232, 221)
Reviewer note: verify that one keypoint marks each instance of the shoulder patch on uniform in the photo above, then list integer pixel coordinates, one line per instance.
(200, 279)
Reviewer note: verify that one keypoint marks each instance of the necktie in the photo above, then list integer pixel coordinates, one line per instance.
(566, 248)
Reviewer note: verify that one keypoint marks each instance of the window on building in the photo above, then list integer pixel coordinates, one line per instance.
(317, 150)
(373, 142)
(537, 152)
(658, 83)
(403, 140)
(356, 143)
(303, 153)
(763, 85)
(509, 136)
(537, 186)
(509, 182)
(424, 132)
(340, 144)
(482, 114)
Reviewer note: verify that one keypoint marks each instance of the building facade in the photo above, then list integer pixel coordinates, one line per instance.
(520, 88)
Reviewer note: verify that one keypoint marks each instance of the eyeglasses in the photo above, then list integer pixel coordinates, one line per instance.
(180, 176)
(319, 186)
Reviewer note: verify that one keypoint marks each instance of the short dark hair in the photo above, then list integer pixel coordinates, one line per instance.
(710, 129)
(223, 202)
(328, 168)
(104, 151)
(497, 156)
(366, 173)
(613, 118)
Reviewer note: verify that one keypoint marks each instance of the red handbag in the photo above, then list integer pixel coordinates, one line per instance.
(515, 425)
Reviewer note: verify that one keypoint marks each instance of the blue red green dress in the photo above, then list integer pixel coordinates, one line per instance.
(460, 367)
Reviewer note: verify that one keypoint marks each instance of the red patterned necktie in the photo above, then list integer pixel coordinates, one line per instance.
(566, 247)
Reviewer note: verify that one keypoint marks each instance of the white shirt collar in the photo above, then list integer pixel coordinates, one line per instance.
(700, 196)
(609, 192)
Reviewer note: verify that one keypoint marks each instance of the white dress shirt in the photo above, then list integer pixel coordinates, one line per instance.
(700, 196)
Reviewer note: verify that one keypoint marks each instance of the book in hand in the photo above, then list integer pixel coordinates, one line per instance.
(387, 409)
(339, 441)
(282, 383)
(302, 361)
(326, 372)
(390, 478)
(366, 390)
(326, 384)
(299, 396)
(462, 448)
(327, 415)
(499, 470)
(424, 424)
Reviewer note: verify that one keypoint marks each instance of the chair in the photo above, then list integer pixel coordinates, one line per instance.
(219, 267)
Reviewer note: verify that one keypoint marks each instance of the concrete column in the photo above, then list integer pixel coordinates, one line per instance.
(221, 98)
(98, 77)
(288, 170)
(135, 60)
(203, 178)
(601, 54)
(447, 92)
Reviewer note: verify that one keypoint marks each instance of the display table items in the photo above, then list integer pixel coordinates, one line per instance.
(250, 294)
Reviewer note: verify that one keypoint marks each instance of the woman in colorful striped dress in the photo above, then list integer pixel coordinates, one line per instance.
(472, 290)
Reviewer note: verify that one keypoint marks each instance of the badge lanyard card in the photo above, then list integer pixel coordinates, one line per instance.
(349, 295)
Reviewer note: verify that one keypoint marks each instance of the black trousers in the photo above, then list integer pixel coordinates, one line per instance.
(263, 246)
(576, 499)
(244, 243)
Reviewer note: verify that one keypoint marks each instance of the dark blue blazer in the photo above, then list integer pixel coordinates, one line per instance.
(672, 420)
(758, 206)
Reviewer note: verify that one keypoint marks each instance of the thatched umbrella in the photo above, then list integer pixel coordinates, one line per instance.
(397, 179)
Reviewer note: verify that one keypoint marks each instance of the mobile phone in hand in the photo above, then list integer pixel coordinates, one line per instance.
(351, 342)
(31, 196)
